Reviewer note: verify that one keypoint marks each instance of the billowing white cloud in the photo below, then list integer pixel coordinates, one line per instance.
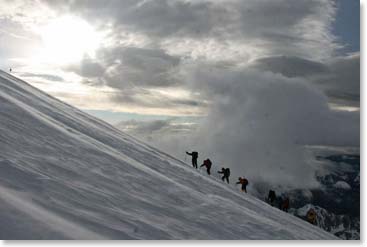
(259, 124)
(259, 121)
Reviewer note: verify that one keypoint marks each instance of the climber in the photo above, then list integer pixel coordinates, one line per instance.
(311, 216)
(195, 156)
(271, 197)
(208, 164)
(285, 204)
(244, 183)
(226, 172)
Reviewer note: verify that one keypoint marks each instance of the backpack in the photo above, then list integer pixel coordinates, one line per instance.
(227, 172)
(195, 154)
(272, 194)
(245, 181)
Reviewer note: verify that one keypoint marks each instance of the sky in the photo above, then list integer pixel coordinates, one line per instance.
(248, 83)
(347, 25)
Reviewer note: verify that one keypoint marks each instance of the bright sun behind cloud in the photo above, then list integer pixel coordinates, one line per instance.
(67, 39)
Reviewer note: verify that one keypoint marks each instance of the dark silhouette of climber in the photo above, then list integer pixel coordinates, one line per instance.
(10, 70)
(226, 172)
(244, 183)
(208, 164)
(195, 156)
(285, 204)
(272, 197)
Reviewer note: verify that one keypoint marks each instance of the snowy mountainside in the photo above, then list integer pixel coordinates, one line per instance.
(67, 175)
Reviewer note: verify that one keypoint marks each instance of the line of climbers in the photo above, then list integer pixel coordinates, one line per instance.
(282, 201)
(225, 171)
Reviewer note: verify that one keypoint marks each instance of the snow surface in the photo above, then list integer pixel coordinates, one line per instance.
(67, 175)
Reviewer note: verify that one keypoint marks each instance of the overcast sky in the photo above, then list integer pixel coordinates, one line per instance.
(267, 77)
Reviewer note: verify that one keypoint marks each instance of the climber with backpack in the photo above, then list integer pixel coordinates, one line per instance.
(195, 156)
(208, 164)
(244, 183)
(226, 172)
(311, 216)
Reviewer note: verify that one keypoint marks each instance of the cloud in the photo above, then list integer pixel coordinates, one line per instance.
(129, 66)
(266, 28)
(343, 83)
(147, 98)
(139, 77)
(124, 67)
(166, 126)
(144, 128)
(146, 43)
(260, 121)
(290, 66)
(48, 77)
(172, 135)
(88, 68)
(339, 77)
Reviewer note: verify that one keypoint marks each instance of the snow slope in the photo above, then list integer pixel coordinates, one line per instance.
(67, 175)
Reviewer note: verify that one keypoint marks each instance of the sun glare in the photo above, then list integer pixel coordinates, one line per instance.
(67, 39)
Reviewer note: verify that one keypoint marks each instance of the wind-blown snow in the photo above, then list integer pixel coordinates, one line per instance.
(67, 175)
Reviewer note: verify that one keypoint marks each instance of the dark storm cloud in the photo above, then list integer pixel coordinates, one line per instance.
(290, 66)
(129, 66)
(339, 78)
(158, 18)
(343, 82)
(192, 18)
(280, 25)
